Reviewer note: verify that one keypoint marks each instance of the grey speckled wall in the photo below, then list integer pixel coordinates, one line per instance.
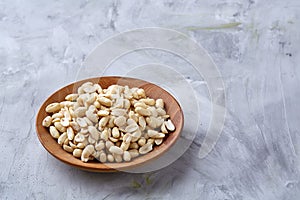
(255, 44)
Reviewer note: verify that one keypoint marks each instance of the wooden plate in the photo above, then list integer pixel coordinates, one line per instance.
(171, 105)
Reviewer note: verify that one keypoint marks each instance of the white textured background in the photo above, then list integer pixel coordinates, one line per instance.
(255, 44)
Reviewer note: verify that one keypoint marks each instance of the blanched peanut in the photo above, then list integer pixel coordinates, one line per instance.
(104, 135)
(57, 115)
(120, 121)
(113, 89)
(91, 140)
(163, 128)
(143, 111)
(109, 144)
(80, 112)
(126, 103)
(151, 122)
(75, 126)
(71, 97)
(158, 141)
(159, 103)
(140, 104)
(53, 107)
(159, 121)
(103, 121)
(115, 132)
(141, 93)
(114, 140)
(155, 134)
(132, 116)
(153, 112)
(142, 141)
(169, 125)
(118, 112)
(84, 131)
(97, 104)
(111, 123)
(59, 127)
(91, 116)
(102, 157)
(77, 153)
(118, 104)
(66, 104)
(133, 145)
(92, 108)
(105, 101)
(135, 95)
(145, 149)
(72, 145)
(67, 148)
(54, 132)
(96, 154)
(98, 88)
(80, 145)
(133, 153)
(79, 137)
(86, 84)
(80, 90)
(94, 132)
(116, 150)
(66, 113)
(150, 102)
(110, 158)
(131, 121)
(126, 156)
(103, 113)
(81, 122)
(118, 158)
(88, 121)
(142, 122)
(89, 88)
(159, 136)
(62, 138)
(65, 122)
(136, 135)
(124, 146)
(70, 133)
(161, 111)
(75, 106)
(150, 141)
(47, 121)
(87, 151)
(127, 138)
(100, 145)
(131, 128)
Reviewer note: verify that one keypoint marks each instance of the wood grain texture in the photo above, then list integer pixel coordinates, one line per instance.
(171, 105)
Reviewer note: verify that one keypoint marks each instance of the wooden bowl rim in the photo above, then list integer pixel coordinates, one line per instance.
(107, 167)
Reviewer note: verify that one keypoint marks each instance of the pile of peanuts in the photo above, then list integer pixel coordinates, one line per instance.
(111, 125)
